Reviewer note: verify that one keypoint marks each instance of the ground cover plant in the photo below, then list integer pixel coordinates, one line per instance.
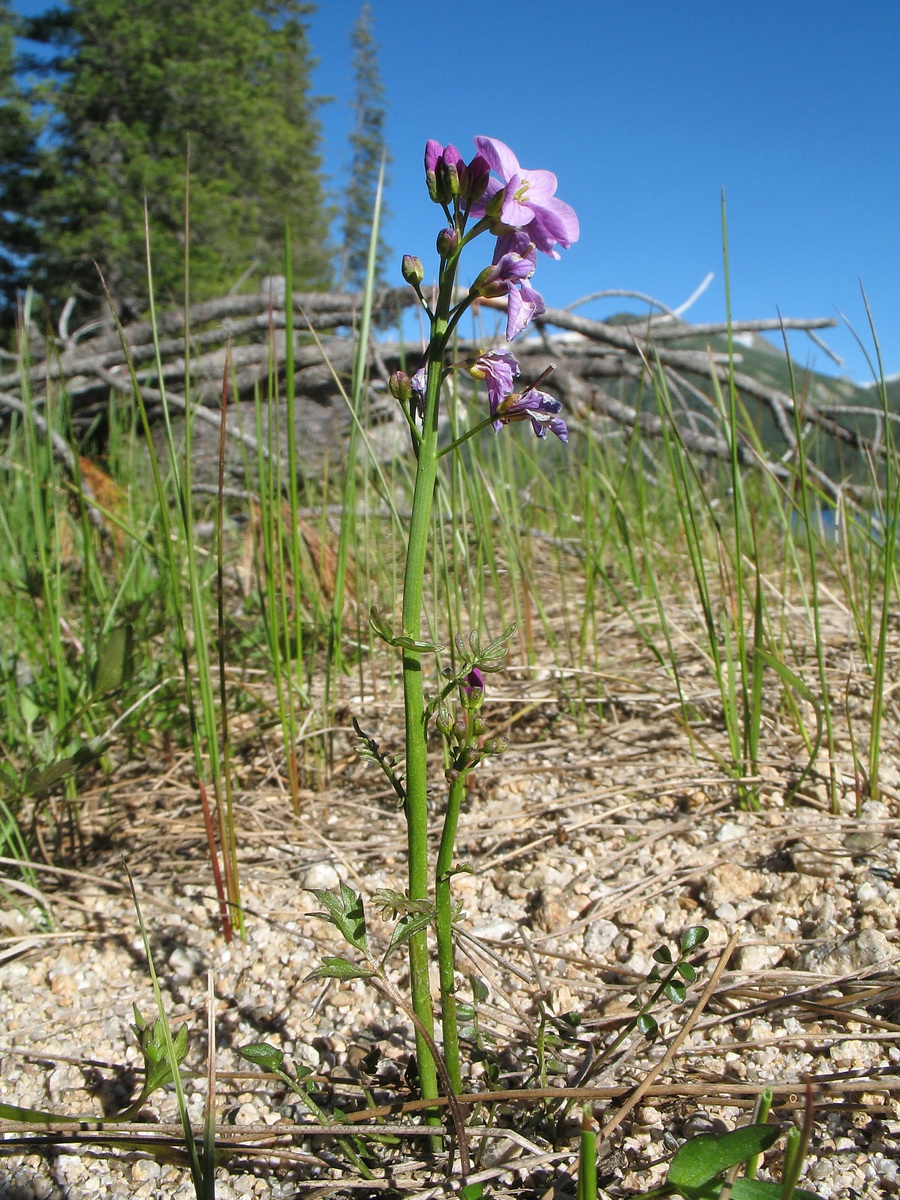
(221, 638)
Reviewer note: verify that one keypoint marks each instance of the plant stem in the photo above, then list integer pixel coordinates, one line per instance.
(444, 926)
(416, 808)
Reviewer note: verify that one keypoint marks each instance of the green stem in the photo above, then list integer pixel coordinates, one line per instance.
(444, 927)
(416, 808)
(465, 436)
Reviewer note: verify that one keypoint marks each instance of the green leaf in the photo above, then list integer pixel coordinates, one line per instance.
(693, 936)
(676, 992)
(708, 1155)
(33, 1116)
(381, 625)
(385, 631)
(663, 955)
(9, 780)
(346, 912)
(115, 660)
(340, 968)
(410, 643)
(687, 972)
(647, 1025)
(472, 1191)
(480, 989)
(37, 780)
(261, 1054)
(152, 1041)
(758, 1189)
(407, 926)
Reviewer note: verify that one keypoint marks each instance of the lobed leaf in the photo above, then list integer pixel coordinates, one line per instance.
(345, 910)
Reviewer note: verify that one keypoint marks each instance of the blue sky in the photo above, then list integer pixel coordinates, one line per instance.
(645, 113)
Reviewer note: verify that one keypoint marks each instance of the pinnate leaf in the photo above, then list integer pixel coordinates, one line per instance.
(345, 910)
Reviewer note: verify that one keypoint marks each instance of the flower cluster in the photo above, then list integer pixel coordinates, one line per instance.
(519, 207)
(499, 370)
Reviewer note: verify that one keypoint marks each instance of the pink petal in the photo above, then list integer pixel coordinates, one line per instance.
(499, 156)
(542, 185)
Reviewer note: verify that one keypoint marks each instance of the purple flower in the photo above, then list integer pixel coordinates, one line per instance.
(499, 370)
(536, 406)
(523, 200)
(507, 277)
(471, 689)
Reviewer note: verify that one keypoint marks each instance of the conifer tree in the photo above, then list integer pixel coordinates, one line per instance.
(22, 172)
(141, 86)
(367, 143)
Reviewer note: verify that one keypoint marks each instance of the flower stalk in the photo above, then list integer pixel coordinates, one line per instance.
(463, 191)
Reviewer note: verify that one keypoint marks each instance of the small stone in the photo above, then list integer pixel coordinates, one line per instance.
(143, 1170)
(758, 958)
(497, 930)
(185, 963)
(731, 831)
(852, 1053)
(247, 1114)
(821, 862)
(599, 937)
(319, 877)
(849, 954)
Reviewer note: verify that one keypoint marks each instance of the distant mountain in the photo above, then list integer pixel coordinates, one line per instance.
(767, 364)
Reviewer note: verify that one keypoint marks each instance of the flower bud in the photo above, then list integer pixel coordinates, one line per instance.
(433, 151)
(479, 726)
(495, 745)
(471, 690)
(444, 719)
(478, 172)
(446, 172)
(447, 242)
(412, 270)
(452, 776)
(460, 728)
(401, 386)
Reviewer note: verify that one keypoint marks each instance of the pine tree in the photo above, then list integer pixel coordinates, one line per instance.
(142, 86)
(367, 142)
(22, 172)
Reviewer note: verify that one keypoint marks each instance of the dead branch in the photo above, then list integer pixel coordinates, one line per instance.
(608, 374)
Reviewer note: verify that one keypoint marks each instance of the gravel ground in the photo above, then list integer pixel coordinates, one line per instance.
(591, 845)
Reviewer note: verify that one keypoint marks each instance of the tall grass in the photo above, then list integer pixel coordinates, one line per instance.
(720, 556)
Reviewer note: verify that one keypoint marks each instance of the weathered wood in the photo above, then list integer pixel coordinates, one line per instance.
(596, 359)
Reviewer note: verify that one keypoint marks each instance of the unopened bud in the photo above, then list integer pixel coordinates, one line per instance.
(471, 690)
(447, 173)
(460, 728)
(452, 776)
(444, 719)
(495, 205)
(495, 745)
(478, 173)
(401, 386)
(447, 242)
(479, 726)
(482, 281)
(412, 270)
